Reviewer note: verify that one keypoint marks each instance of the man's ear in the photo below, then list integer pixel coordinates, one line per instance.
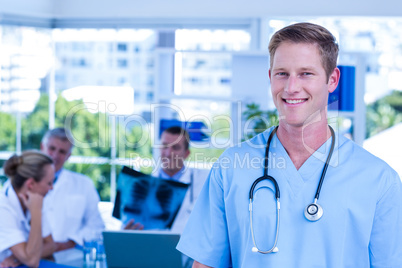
(334, 80)
(187, 154)
(68, 155)
(42, 147)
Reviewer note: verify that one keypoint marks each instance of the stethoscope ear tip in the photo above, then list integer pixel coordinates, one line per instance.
(254, 249)
(276, 249)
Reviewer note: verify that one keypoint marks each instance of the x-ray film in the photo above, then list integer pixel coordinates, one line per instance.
(151, 201)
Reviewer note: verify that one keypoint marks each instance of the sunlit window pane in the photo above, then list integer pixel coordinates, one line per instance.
(26, 60)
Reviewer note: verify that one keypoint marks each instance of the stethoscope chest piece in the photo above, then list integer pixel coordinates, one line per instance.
(313, 212)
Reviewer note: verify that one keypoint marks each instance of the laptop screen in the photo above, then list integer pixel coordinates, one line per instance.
(145, 249)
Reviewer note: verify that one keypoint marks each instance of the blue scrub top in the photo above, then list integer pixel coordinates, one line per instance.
(361, 197)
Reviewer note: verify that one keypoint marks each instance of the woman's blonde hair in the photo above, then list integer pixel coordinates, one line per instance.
(30, 164)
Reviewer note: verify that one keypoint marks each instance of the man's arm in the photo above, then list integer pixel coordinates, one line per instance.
(196, 264)
(208, 223)
(65, 245)
(385, 242)
(49, 246)
(92, 220)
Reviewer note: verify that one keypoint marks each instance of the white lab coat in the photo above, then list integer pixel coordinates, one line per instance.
(196, 178)
(72, 208)
(14, 224)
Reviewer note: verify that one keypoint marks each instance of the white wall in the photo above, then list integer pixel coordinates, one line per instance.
(198, 9)
(224, 8)
(35, 8)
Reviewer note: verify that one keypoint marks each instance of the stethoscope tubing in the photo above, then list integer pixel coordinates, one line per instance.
(277, 192)
(277, 197)
(274, 248)
(324, 171)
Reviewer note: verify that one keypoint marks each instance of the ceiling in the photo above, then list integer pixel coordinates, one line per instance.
(190, 9)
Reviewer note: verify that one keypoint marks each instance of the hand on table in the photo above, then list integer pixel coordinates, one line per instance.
(10, 261)
(64, 245)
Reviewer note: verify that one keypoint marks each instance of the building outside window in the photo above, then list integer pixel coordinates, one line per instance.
(66, 68)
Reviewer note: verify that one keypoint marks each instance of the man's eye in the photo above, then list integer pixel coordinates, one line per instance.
(281, 74)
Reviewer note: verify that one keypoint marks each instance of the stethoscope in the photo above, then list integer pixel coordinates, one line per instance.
(313, 212)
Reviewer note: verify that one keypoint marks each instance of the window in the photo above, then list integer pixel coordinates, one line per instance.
(89, 60)
(122, 47)
(122, 80)
(26, 57)
(201, 74)
(26, 61)
(150, 96)
(122, 63)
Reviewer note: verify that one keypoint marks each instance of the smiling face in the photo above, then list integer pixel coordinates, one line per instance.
(59, 150)
(299, 84)
(173, 152)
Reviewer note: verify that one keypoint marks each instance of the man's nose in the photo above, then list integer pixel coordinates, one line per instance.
(166, 151)
(170, 151)
(292, 85)
(55, 155)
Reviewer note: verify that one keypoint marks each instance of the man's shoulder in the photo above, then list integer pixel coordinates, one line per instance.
(200, 171)
(355, 155)
(255, 145)
(354, 151)
(75, 176)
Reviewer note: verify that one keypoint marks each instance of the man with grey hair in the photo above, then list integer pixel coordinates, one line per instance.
(72, 205)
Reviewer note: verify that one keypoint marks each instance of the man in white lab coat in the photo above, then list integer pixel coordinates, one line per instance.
(174, 150)
(72, 205)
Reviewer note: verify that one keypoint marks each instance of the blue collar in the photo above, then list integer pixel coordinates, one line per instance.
(175, 177)
(56, 175)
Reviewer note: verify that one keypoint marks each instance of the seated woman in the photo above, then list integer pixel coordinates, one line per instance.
(24, 235)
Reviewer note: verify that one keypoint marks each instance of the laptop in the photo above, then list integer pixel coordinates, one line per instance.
(142, 249)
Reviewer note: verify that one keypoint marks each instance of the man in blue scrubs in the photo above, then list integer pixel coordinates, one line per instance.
(361, 195)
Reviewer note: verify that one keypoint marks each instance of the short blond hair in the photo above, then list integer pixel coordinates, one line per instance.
(308, 33)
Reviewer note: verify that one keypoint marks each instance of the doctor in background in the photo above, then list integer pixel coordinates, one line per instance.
(72, 205)
(24, 233)
(173, 153)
